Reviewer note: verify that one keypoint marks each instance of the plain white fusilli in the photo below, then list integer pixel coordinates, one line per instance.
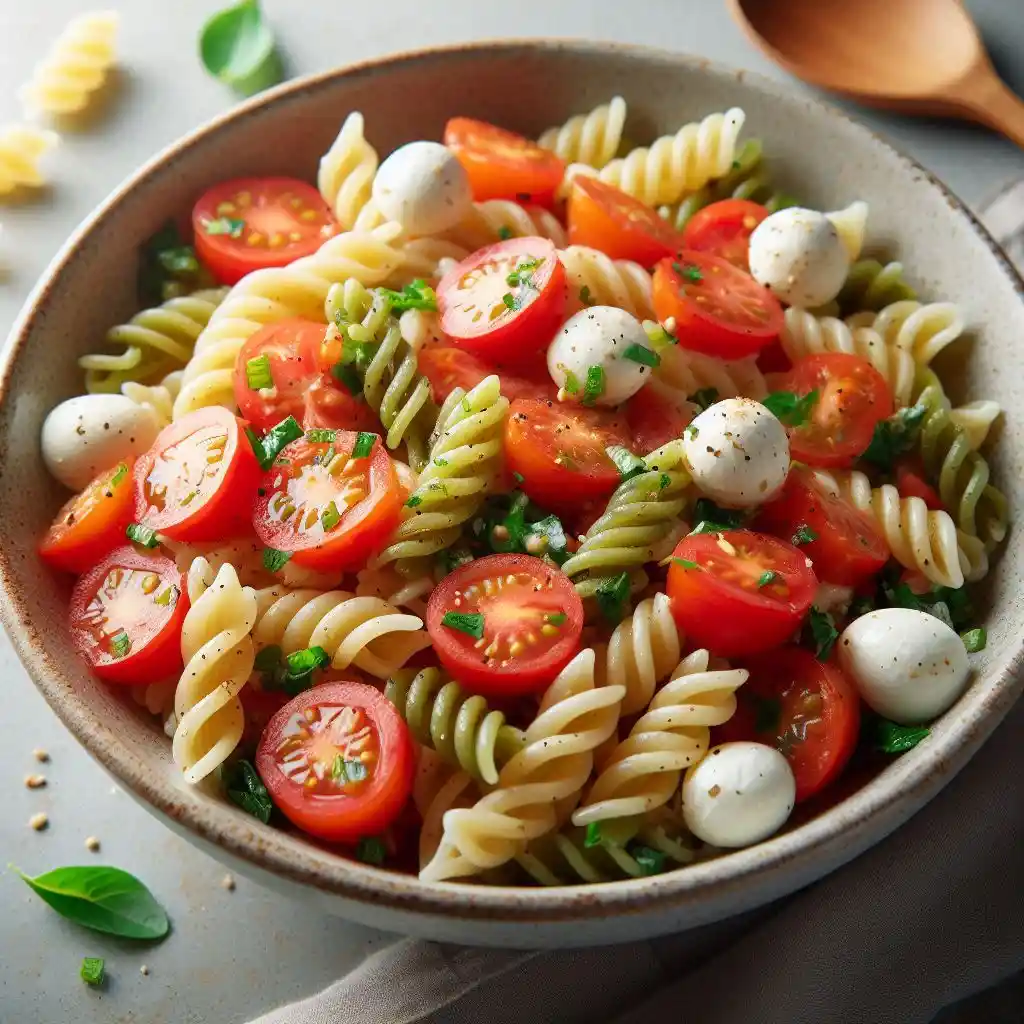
(597, 280)
(346, 172)
(495, 219)
(689, 372)
(591, 139)
(922, 329)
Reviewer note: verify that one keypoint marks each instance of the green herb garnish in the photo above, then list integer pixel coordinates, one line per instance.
(572, 382)
(953, 607)
(504, 232)
(642, 355)
(611, 596)
(363, 445)
(890, 738)
(450, 559)
(690, 272)
(821, 633)
(686, 563)
(120, 473)
(274, 560)
(510, 301)
(518, 477)
(704, 398)
(592, 837)
(347, 771)
(168, 267)
(371, 850)
(470, 623)
(415, 295)
(628, 464)
(803, 535)
(120, 644)
(91, 971)
(974, 639)
(330, 517)
(650, 861)
(523, 274)
(556, 618)
(237, 47)
(767, 577)
(767, 713)
(273, 441)
(585, 297)
(320, 436)
(711, 518)
(230, 226)
(894, 436)
(789, 408)
(593, 386)
(244, 786)
(257, 373)
(144, 535)
(413, 500)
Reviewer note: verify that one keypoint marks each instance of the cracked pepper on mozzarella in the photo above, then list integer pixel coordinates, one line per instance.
(738, 452)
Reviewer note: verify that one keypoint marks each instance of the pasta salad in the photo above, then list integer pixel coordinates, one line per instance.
(552, 512)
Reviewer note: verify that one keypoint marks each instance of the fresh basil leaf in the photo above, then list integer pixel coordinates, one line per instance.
(688, 272)
(102, 898)
(143, 535)
(686, 563)
(274, 560)
(556, 618)
(320, 436)
(413, 500)
(547, 537)
(230, 226)
(470, 623)
(894, 436)
(593, 386)
(371, 850)
(415, 295)
(611, 596)
(974, 639)
(258, 375)
(244, 787)
(803, 535)
(363, 445)
(167, 265)
(268, 659)
(92, 970)
(711, 518)
(642, 355)
(821, 633)
(237, 47)
(789, 408)
(890, 738)
(585, 296)
(592, 837)
(766, 578)
(450, 559)
(628, 464)
(277, 438)
(650, 861)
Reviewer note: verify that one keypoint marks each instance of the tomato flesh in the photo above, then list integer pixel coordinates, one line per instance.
(848, 547)
(715, 307)
(503, 165)
(246, 224)
(655, 417)
(91, 523)
(804, 708)
(527, 616)
(606, 218)
(911, 483)
(504, 302)
(338, 761)
(448, 368)
(126, 615)
(559, 450)
(327, 509)
(724, 229)
(724, 601)
(853, 398)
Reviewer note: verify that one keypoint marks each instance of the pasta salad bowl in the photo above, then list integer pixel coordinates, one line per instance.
(972, 304)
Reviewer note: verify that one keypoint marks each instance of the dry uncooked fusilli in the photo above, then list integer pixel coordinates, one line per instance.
(366, 632)
(644, 770)
(346, 172)
(21, 149)
(575, 718)
(597, 280)
(75, 67)
(591, 139)
(674, 164)
(267, 296)
(218, 652)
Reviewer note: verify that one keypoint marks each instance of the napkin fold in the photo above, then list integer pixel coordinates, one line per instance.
(928, 917)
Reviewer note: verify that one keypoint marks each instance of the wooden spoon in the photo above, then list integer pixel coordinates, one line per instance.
(918, 56)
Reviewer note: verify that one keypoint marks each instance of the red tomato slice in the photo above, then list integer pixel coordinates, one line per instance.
(724, 229)
(853, 398)
(338, 761)
(716, 307)
(505, 625)
(849, 548)
(655, 417)
(558, 448)
(773, 359)
(198, 480)
(329, 404)
(806, 709)
(126, 617)
(249, 223)
(622, 227)
(504, 302)
(911, 483)
(91, 523)
(503, 165)
(724, 598)
(450, 368)
(328, 510)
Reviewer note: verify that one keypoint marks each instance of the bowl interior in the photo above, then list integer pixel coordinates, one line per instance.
(814, 152)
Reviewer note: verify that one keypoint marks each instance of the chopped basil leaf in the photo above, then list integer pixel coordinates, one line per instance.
(257, 373)
(306, 660)
(363, 445)
(628, 464)
(319, 436)
(550, 539)
(518, 477)
(789, 408)
(168, 267)
(274, 560)
(686, 563)
(346, 374)
(169, 596)
(237, 46)
(953, 607)
(894, 436)
(230, 226)
(330, 517)
(663, 481)
(767, 577)
(642, 355)
(821, 633)
(415, 295)
(293, 673)
(504, 232)
(690, 272)
(711, 518)
(556, 618)
(120, 644)
(510, 301)
(413, 500)
(452, 558)
(268, 659)
(890, 738)
(119, 474)
(572, 382)
(585, 296)
(704, 398)
(974, 639)
(803, 535)
(92, 970)
(470, 623)
(244, 787)
(612, 595)
(522, 275)
(659, 335)
(371, 850)
(767, 713)
(144, 535)
(592, 837)
(593, 386)
(270, 446)
(650, 861)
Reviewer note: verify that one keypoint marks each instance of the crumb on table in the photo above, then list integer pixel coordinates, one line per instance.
(39, 821)
(41, 755)
(92, 843)
(35, 781)
(228, 882)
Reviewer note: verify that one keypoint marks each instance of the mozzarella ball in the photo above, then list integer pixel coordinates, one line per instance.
(737, 452)
(799, 255)
(424, 187)
(601, 336)
(908, 665)
(738, 794)
(86, 435)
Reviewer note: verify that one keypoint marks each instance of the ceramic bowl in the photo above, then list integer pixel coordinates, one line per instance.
(815, 152)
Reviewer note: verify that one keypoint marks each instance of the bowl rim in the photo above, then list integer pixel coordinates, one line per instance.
(732, 883)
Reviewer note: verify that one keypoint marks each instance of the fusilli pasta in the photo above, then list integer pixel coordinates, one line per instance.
(598, 280)
(218, 652)
(575, 717)
(21, 149)
(346, 172)
(689, 372)
(495, 219)
(75, 67)
(591, 139)
(923, 330)
(872, 285)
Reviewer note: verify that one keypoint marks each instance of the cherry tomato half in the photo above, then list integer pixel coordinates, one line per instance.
(739, 592)
(338, 761)
(504, 302)
(449, 368)
(91, 523)
(656, 416)
(911, 482)
(126, 616)
(505, 625)
(559, 450)
(503, 165)
(622, 227)
(330, 511)
(248, 223)
(718, 309)
(853, 398)
(198, 480)
(724, 229)
(806, 709)
(848, 549)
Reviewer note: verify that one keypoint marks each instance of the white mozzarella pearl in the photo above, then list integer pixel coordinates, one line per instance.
(424, 187)
(908, 665)
(738, 794)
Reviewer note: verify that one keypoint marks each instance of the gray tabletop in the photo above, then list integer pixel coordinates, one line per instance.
(235, 953)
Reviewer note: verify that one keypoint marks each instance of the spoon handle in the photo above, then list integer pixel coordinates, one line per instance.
(992, 102)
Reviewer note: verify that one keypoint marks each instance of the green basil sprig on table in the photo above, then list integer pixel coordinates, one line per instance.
(237, 46)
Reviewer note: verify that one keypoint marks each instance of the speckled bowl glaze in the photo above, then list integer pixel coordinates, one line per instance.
(816, 153)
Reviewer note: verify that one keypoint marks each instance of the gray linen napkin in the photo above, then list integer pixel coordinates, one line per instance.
(933, 914)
